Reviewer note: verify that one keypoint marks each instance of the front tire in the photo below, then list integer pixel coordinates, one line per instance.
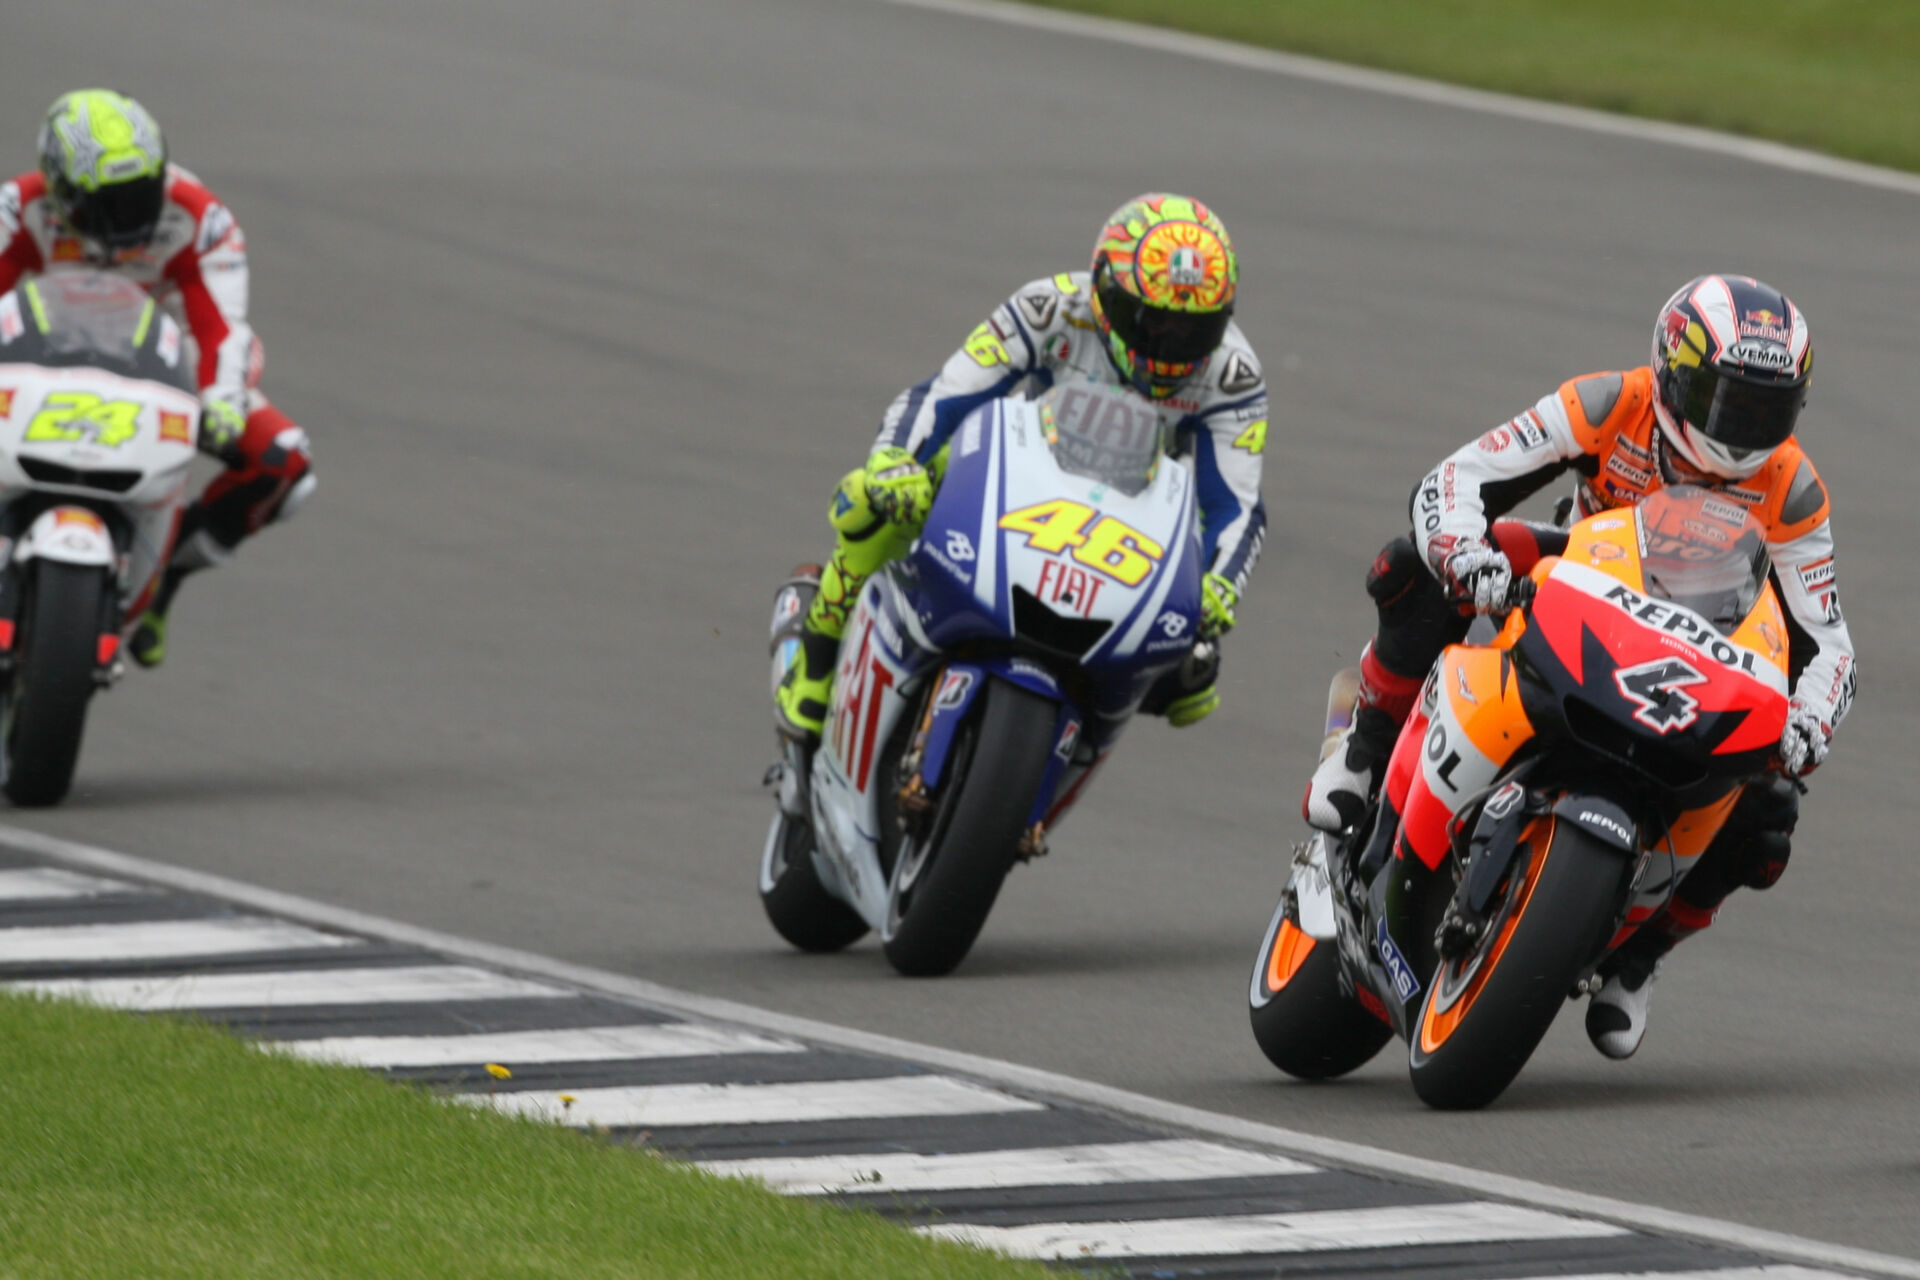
(47, 706)
(801, 909)
(1485, 1012)
(1305, 1024)
(944, 882)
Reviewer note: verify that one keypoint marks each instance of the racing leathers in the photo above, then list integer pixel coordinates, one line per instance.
(1042, 336)
(1603, 428)
(196, 266)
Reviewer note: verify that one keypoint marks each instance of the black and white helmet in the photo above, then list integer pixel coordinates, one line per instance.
(1731, 360)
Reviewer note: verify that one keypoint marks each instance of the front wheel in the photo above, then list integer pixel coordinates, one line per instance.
(801, 909)
(946, 878)
(1486, 1012)
(1302, 1020)
(47, 706)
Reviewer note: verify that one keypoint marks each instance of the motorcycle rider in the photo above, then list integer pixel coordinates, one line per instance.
(1153, 314)
(105, 196)
(1716, 408)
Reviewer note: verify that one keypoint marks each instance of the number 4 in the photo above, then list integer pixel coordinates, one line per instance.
(1253, 439)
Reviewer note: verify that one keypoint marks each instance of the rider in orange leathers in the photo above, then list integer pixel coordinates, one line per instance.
(1716, 408)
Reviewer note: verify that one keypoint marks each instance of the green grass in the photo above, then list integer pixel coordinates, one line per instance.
(157, 1147)
(1841, 76)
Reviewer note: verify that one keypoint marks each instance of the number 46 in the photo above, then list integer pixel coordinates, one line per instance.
(1111, 547)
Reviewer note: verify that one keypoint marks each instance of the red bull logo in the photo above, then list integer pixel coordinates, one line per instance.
(1762, 323)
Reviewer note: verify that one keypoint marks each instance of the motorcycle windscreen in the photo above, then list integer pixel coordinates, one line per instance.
(1107, 434)
(91, 319)
(1703, 552)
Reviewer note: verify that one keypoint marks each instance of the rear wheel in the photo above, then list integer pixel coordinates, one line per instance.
(1486, 1012)
(946, 878)
(801, 909)
(47, 706)
(1305, 1024)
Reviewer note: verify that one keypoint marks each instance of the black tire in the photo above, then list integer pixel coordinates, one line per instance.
(1305, 1024)
(944, 885)
(47, 711)
(1561, 924)
(801, 909)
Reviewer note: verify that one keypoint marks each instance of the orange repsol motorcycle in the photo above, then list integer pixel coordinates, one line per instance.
(1564, 771)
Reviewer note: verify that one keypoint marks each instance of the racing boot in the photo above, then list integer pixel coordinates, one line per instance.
(148, 643)
(1617, 1013)
(1346, 780)
(876, 513)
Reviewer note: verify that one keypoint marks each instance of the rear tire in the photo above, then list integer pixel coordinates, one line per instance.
(1464, 1055)
(945, 883)
(47, 711)
(1305, 1024)
(801, 909)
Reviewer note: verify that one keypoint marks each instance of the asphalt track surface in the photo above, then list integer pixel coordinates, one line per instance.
(588, 304)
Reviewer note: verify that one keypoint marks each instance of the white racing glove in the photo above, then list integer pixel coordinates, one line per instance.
(1477, 573)
(1805, 740)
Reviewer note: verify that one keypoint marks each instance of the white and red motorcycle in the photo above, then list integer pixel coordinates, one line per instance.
(98, 426)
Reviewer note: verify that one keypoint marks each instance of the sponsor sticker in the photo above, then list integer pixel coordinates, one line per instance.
(11, 326)
(1241, 374)
(178, 427)
(1069, 739)
(1039, 307)
(1495, 441)
(1405, 985)
(6, 402)
(1527, 427)
(1633, 475)
(953, 689)
(959, 545)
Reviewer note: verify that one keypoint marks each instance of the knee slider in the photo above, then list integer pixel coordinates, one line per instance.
(1396, 571)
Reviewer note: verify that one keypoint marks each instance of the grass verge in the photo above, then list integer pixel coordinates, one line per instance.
(158, 1147)
(1834, 75)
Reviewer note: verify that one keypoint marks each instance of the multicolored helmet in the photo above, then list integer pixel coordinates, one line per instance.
(106, 167)
(1731, 359)
(1164, 276)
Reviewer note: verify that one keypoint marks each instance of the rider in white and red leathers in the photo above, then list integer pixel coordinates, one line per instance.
(106, 197)
(1152, 315)
(1716, 408)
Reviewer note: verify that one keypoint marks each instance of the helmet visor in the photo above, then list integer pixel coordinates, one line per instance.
(120, 215)
(1734, 412)
(1158, 334)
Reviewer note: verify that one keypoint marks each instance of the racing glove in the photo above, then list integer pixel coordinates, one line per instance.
(1217, 600)
(1804, 742)
(1476, 573)
(898, 488)
(1190, 692)
(221, 426)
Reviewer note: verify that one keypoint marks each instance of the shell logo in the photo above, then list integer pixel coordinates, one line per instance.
(1183, 265)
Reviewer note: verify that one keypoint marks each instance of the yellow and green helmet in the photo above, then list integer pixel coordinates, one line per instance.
(1164, 277)
(106, 166)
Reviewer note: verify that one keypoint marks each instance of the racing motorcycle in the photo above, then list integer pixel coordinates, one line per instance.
(1564, 770)
(98, 426)
(984, 676)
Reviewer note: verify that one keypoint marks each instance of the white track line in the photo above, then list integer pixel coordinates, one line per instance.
(160, 940)
(665, 1104)
(578, 1044)
(1316, 1232)
(1165, 42)
(1728, 1273)
(1138, 1106)
(23, 883)
(1173, 1160)
(428, 983)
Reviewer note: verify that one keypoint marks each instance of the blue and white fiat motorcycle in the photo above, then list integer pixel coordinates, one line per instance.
(985, 675)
